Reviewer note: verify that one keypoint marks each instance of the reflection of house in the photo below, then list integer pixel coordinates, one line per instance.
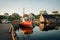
(47, 18)
(44, 27)
(41, 26)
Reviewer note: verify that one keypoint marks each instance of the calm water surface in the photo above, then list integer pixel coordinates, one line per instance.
(40, 35)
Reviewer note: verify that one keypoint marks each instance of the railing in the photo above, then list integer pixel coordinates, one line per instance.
(13, 33)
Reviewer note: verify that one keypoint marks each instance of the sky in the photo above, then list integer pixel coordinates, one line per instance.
(31, 6)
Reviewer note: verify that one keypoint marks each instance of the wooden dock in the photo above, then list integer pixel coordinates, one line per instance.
(4, 32)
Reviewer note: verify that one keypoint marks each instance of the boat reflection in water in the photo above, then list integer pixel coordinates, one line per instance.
(26, 27)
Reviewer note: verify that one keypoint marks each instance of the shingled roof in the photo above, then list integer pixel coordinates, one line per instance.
(49, 16)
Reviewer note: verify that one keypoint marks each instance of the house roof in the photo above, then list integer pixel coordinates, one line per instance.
(49, 16)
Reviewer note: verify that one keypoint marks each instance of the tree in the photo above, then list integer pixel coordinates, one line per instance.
(11, 18)
(15, 16)
(37, 16)
(2, 17)
(6, 15)
(55, 12)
